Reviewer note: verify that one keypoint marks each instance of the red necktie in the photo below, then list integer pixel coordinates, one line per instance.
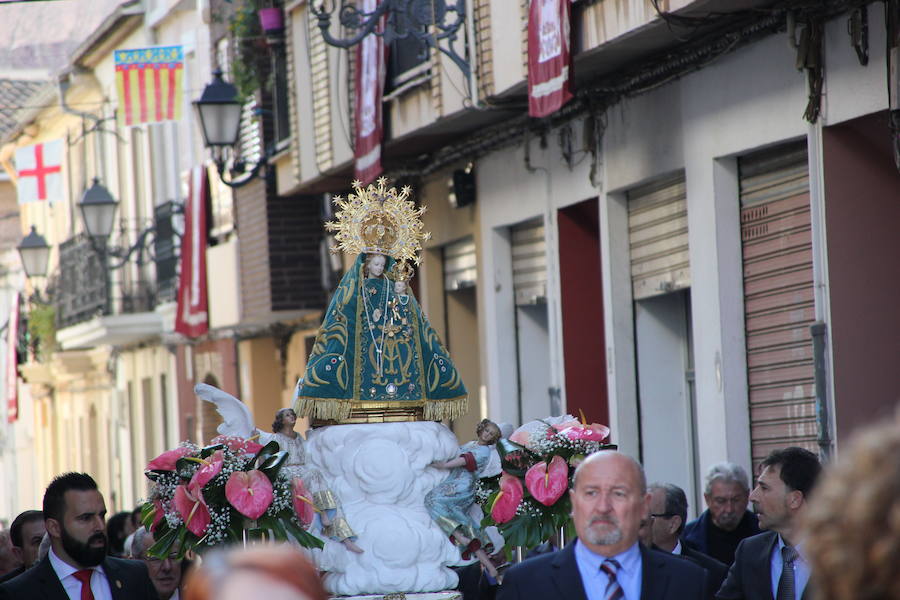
(84, 576)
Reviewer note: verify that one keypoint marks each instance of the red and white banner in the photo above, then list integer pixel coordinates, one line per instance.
(371, 59)
(192, 317)
(549, 56)
(39, 172)
(12, 362)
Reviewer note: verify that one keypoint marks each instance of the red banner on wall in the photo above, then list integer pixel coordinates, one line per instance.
(192, 317)
(371, 59)
(12, 362)
(549, 56)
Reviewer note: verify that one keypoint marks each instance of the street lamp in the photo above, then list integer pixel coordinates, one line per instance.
(98, 209)
(219, 112)
(34, 252)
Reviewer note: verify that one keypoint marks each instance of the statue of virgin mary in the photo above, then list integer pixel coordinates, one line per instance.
(376, 357)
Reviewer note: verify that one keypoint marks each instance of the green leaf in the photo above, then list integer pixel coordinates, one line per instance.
(273, 464)
(164, 544)
(208, 450)
(266, 451)
(303, 537)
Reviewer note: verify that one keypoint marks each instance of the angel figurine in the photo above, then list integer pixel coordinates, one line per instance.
(450, 502)
(239, 422)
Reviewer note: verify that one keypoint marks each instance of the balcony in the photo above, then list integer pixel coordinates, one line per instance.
(93, 308)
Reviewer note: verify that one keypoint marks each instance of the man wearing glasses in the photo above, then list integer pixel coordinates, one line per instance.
(668, 514)
(166, 574)
(726, 521)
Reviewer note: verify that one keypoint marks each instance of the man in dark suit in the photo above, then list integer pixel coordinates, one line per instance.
(74, 514)
(772, 564)
(726, 520)
(25, 533)
(668, 514)
(609, 501)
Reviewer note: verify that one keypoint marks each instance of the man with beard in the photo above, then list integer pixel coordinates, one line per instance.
(606, 561)
(726, 520)
(77, 566)
(773, 564)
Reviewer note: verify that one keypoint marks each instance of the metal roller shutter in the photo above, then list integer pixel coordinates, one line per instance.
(658, 238)
(776, 241)
(460, 265)
(529, 263)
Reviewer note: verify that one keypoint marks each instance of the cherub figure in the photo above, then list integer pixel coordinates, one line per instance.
(238, 421)
(449, 503)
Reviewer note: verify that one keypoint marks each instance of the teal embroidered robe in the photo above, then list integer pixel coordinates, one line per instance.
(376, 350)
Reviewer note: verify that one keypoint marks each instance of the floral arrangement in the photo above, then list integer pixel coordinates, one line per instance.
(227, 492)
(528, 500)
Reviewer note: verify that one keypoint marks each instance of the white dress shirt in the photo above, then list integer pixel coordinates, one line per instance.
(595, 580)
(66, 574)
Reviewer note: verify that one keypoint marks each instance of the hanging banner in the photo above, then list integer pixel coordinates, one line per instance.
(12, 362)
(371, 59)
(149, 82)
(192, 318)
(39, 172)
(549, 56)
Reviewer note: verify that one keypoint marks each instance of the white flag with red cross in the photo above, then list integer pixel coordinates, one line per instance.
(39, 172)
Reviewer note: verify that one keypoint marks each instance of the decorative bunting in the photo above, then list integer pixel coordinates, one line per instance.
(149, 82)
(549, 56)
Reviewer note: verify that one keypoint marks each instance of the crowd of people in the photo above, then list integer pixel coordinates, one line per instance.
(813, 533)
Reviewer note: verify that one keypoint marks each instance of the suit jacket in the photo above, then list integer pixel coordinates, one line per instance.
(715, 571)
(128, 580)
(555, 576)
(750, 577)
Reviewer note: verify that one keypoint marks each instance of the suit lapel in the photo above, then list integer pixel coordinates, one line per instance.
(50, 583)
(763, 566)
(114, 578)
(566, 576)
(654, 579)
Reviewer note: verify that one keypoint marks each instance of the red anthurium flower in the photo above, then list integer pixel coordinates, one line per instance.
(166, 461)
(548, 483)
(191, 506)
(303, 504)
(595, 432)
(507, 501)
(211, 467)
(250, 492)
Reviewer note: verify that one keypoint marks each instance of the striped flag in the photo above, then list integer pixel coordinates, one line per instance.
(149, 83)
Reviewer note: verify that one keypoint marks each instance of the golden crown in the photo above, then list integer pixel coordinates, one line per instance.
(379, 219)
(401, 271)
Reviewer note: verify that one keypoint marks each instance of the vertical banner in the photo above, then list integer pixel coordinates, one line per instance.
(39, 172)
(191, 318)
(371, 58)
(12, 362)
(149, 81)
(549, 56)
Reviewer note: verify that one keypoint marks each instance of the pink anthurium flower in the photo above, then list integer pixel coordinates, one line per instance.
(211, 467)
(238, 444)
(166, 461)
(303, 504)
(158, 513)
(595, 432)
(250, 492)
(548, 483)
(191, 506)
(507, 500)
(566, 425)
